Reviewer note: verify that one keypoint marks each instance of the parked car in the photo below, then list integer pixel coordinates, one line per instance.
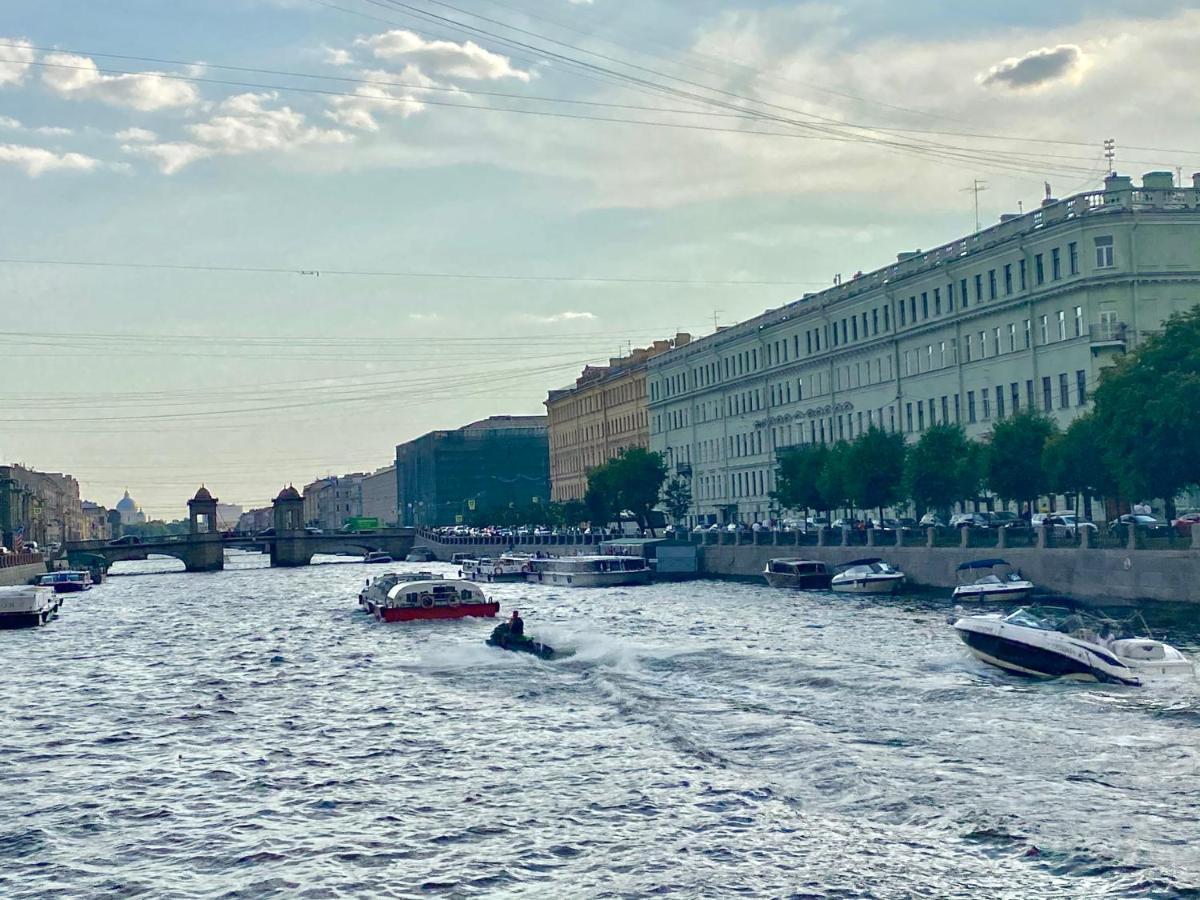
(1148, 525)
(931, 520)
(312, 529)
(126, 541)
(1068, 525)
(969, 520)
(1005, 519)
(1183, 524)
(266, 532)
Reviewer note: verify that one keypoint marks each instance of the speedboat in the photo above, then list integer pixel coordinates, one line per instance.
(67, 582)
(991, 579)
(503, 638)
(799, 574)
(378, 556)
(421, 554)
(1053, 642)
(27, 606)
(867, 576)
(399, 597)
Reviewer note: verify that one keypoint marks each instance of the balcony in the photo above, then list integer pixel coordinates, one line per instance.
(683, 470)
(1108, 336)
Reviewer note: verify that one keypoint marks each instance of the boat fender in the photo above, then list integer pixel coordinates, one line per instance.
(427, 601)
(527, 568)
(496, 571)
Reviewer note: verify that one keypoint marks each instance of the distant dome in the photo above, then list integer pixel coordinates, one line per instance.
(202, 496)
(126, 504)
(289, 493)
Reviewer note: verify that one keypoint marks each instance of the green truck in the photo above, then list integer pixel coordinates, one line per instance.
(358, 524)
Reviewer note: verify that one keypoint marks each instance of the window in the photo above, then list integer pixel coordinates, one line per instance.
(1029, 394)
(1045, 330)
(1056, 264)
(962, 293)
(945, 410)
(854, 328)
(1073, 257)
(924, 304)
(921, 415)
(1039, 269)
(991, 284)
(1012, 338)
(844, 337)
(1028, 333)
(1064, 394)
(1062, 325)
(970, 406)
(1024, 281)
(957, 409)
(996, 340)
(1016, 397)
(967, 350)
(808, 341)
(1081, 392)
(875, 321)
(983, 345)
(912, 309)
(903, 321)
(1079, 321)
(950, 297)
(1047, 394)
(999, 402)
(1007, 278)
(929, 351)
(987, 404)
(979, 288)
(908, 415)
(942, 354)
(886, 323)
(937, 301)
(1105, 258)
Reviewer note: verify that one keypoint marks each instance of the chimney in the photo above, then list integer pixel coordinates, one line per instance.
(1158, 181)
(1008, 217)
(682, 339)
(1196, 181)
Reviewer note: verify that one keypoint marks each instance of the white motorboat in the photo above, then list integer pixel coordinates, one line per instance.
(1053, 642)
(508, 567)
(991, 580)
(867, 576)
(588, 571)
(27, 606)
(798, 574)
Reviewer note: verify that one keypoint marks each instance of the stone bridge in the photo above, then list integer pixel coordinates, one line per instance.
(202, 549)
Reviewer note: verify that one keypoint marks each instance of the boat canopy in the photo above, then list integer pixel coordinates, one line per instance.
(796, 566)
(862, 562)
(982, 564)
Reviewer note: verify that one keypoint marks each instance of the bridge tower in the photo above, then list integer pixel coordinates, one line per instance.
(290, 547)
(205, 551)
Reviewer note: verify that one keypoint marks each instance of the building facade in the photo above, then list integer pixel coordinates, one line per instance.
(256, 520)
(329, 502)
(379, 496)
(603, 413)
(45, 505)
(445, 476)
(1023, 315)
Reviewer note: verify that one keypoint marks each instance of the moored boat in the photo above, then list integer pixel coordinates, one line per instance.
(798, 574)
(67, 582)
(378, 556)
(867, 576)
(507, 567)
(588, 571)
(991, 580)
(27, 606)
(398, 597)
(1052, 642)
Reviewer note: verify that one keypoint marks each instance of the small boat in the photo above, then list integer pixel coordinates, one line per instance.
(799, 574)
(398, 597)
(503, 638)
(991, 580)
(508, 567)
(27, 606)
(867, 576)
(588, 571)
(378, 556)
(67, 582)
(1053, 642)
(421, 554)
(457, 559)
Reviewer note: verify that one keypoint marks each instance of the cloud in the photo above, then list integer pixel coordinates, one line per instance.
(78, 78)
(10, 124)
(568, 316)
(424, 317)
(359, 112)
(36, 161)
(443, 58)
(18, 57)
(136, 136)
(1037, 68)
(171, 157)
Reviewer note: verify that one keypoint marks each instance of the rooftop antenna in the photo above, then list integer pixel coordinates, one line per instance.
(1110, 153)
(716, 313)
(977, 187)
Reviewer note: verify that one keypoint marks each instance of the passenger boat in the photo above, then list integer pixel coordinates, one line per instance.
(798, 574)
(421, 554)
(991, 579)
(1052, 642)
(867, 576)
(400, 597)
(378, 556)
(508, 567)
(27, 606)
(588, 571)
(67, 582)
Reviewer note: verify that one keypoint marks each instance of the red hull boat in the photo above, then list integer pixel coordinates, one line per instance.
(413, 614)
(413, 597)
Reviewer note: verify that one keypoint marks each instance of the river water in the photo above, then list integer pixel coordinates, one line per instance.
(251, 733)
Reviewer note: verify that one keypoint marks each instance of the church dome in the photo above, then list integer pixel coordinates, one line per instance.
(126, 504)
(289, 493)
(202, 496)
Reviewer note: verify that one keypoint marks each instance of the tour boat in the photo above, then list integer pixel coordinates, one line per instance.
(400, 597)
(991, 580)
(867, 576)
(799, 574)
(1061, 643)
(378, 556)
(421, 554)
(27, 606)
(67, 582)
(509, 567)
(588, 571)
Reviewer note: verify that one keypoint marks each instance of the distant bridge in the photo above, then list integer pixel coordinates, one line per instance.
(202, 549)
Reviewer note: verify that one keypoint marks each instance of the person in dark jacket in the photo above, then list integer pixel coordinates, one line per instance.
(516, 625)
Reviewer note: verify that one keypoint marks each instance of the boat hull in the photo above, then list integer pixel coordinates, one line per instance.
(868, 586)
(589, 579)
(421, 613)
(810, 582)
(1023, 658)
(1002, 594)
(71, 587)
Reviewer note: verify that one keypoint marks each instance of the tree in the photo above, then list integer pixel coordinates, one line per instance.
(1146, 410)
(677, 497)
(941, 467)
(875, 475)
(574, 512)
(1074, 463)
(834, 480)
(1014, 469)
(796, 476)
(630, 481)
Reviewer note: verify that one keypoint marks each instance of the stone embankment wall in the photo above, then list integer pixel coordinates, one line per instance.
(21, 573)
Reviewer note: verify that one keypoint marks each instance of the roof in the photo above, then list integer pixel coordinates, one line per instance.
(289, 493)
(498, 422)
(203, 496)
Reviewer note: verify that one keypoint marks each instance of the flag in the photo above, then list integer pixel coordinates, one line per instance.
(19, 540)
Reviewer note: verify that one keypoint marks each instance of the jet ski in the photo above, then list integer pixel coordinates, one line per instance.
(503, 638)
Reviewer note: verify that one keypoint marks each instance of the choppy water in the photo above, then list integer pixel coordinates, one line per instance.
(252, 734)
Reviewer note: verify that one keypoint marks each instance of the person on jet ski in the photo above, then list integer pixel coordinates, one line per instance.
(516, 625)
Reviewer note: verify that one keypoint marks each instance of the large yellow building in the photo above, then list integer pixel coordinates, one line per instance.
(603, 413)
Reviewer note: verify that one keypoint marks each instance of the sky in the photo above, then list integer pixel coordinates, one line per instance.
(256, 242)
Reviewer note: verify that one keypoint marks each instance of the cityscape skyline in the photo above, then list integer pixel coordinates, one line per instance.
(279, 359)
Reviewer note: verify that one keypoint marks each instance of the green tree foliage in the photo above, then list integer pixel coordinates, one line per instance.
(574, 512)
(942, 467)
(631, 481)
(1014, 469)
(1146, 410)
(796, 477)
(875, 474)
(834, 482)
(677, 497)
(1074, 463)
